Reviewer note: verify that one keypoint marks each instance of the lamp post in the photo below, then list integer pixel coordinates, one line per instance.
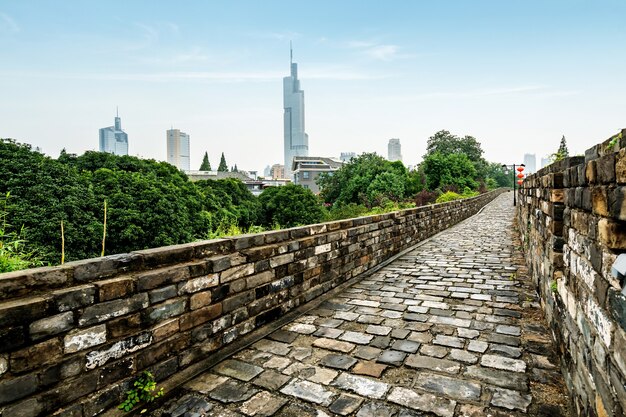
(520, 168)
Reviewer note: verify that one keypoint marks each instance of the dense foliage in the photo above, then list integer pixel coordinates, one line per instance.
(290, 205)
(149, 203)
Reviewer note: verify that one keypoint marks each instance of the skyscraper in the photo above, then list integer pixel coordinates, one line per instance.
(394, 150)
(178, 149)
(113, 139)
(296, 140)
(530, 160)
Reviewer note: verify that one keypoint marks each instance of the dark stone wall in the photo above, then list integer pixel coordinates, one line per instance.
(73, 337)
(572, 216)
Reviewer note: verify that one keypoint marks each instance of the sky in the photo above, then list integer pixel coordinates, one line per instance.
(517, 75)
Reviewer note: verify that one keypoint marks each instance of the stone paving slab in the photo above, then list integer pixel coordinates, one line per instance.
(451, 328)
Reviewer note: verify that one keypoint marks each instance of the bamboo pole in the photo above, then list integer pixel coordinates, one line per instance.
(104, 228)
(62, 244)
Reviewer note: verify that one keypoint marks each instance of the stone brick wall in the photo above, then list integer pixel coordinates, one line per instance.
(572, 216)
(73, 337)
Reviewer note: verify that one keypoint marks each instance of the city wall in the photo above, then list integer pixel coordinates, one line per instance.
(74, 337)
(572, 217)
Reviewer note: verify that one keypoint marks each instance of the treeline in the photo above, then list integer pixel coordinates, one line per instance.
(151, 204)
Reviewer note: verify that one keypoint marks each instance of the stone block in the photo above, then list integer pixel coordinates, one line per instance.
(36, 356)
(557, 196)
(164, 311)
(617, 203)
(198, 284)
(108, 310)
(73, 298)
(605, 169)
(124, 326)
(115, 288)
(161, 277)
(236, 272)
(600, 321)
(118, 350)
(12, 389)
(22, 311)
(85, 338)
(200, 316)
(620, 166)
(162, 294)
(580, 221)
(232, 303)
(600, 201)
(617, 307)
(199, 300)
(590, 172)
(612, 234)
(50, 326)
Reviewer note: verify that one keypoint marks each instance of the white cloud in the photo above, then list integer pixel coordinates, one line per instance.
(376, 50)
(8, 24)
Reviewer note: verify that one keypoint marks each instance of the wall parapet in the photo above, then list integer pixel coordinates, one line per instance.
(572, 217)
(73, 337)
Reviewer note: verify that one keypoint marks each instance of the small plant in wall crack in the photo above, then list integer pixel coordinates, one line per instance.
(554, 287)
(143, 391)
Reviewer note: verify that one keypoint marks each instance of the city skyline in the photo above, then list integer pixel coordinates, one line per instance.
(518, 78)
(113, 139)
(178, 145)
(296, 141)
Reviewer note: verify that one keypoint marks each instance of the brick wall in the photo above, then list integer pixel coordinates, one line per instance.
(72, 338)
(572, 215)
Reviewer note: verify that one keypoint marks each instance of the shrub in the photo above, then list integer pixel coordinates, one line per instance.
(448, 196)
(425, 197)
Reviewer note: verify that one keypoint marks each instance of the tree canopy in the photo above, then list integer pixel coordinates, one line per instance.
(290, 205)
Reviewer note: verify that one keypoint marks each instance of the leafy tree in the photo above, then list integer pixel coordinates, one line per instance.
(290, 205)
(206, 165)
(356, 182)
(223, 167)
(445, 143)
(497, 176)
(454, 169)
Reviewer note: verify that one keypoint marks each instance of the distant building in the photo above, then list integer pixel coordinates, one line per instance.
(296, 141)
(277, 171)
(394, 150)
(178, 149)
(306, 170)
(545, 162)
(347, 156)
(113, 139)
(530, 160)
(267, 171)
(254, 186)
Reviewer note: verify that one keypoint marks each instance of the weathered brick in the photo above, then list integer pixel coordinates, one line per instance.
(232, 303)
(199, 300)
(236, 272)
(165, 329)
(165, 310)
(620, 166)
(75, 297)
(124, 326)
(617, 203)
(12, 389)
(600, 202)
(16, 312)
(51, 326)
(111, 309)
(200, 316)
(118, 350)
(590, 172)
(612, 234)
(605, 169)
(85, 338)
(162, 294)
(161, 277)
(198, 284)
(115, 288)
(35, 356)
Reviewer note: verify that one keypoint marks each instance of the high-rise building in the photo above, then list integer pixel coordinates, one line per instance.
(296, 140)
(277, 171)
(530, 160)
(394, 150)
(347, 156)
(178, 149)
(113, 139)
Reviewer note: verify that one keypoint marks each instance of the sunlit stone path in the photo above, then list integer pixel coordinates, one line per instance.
(451, 328)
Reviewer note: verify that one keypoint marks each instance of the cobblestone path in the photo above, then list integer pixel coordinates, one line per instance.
(451, 328)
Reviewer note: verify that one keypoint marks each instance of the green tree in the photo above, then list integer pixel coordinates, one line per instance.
(562, 152)
(452, 169)
(498, 176)
(223, 167)
(206, 165)
(290, 205)
(445, 143)
(357, 181)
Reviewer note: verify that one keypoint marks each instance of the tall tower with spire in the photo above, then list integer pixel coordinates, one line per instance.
(113, 139)
(296, 141)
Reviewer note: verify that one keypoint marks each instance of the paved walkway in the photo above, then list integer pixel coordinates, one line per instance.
(450, 329)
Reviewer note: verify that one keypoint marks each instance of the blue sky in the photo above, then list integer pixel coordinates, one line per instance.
(515, 74)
